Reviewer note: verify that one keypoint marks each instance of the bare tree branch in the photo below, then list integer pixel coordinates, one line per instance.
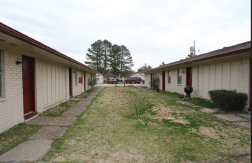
(133, 99)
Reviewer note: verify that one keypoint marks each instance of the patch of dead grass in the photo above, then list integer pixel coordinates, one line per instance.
(165, 112)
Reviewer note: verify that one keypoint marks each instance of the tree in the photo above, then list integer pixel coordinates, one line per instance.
(107, 58)
(95, 56)
(114, 58)
(106, 51)
(131, 97)
(162, 64)
(126, 61)
(144, 67)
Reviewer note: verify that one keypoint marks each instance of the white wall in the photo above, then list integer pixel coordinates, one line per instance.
(233, 75)
(174, 86)
(147, 80)
(54, 84)
(79, 87)
(11, 104)
(101, 79)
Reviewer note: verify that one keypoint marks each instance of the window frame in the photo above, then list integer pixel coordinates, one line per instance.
(179, 76)
(169, 76)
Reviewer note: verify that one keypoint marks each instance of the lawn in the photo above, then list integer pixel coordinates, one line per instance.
(166, 131)
(172, 94)
(59, 109)
(16, 135)
(86, 93)
(201, 102)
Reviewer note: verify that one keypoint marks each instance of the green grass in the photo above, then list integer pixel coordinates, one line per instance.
(86, 93)
(59, 109)
(172, 94)
(201, 102)
(16, 135)
(109, 131)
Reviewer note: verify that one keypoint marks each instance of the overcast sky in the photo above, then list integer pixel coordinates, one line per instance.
(154, 31)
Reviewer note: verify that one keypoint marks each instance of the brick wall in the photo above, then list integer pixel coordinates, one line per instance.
(243, 78)
(11, 105)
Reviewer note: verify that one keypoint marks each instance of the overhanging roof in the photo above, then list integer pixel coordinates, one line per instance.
(226, 51)
(6, 31)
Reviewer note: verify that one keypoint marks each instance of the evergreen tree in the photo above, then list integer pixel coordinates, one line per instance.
(114, 58)
(106, 51)
(95, 56)
(126, 61)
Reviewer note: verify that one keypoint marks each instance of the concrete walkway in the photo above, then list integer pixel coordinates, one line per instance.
(54, 128)
(242, 120)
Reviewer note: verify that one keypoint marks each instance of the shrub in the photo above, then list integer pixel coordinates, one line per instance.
(155, 81)
(229, 99)
(92, 82)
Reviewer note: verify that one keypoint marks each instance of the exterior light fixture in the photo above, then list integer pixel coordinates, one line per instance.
(19, 62)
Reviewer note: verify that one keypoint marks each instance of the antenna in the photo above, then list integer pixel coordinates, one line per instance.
(193, 50)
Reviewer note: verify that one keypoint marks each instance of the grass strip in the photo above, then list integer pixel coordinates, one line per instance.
(16, 135)
(171, 94)
(201, 102)
(86, 93)
(59, 109)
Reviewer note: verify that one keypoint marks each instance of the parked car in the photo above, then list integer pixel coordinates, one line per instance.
(119, 79)
(112, 81)
(133, 80)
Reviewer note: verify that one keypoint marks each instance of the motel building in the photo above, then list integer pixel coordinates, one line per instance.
(35, 77)
(226, 68)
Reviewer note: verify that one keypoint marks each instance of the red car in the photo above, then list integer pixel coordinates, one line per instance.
(133, 80)
(112, 81)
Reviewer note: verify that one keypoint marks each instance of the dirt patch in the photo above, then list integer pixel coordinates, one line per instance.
(209, 132)
(241, 158)
(165, 112)
(151, 123)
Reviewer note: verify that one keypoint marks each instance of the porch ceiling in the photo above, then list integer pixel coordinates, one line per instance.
(21, 47)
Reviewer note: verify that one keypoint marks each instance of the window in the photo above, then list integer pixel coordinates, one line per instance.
(179, 76)
(75, 77)
(169, 76)
(97, 77)
(1, 75)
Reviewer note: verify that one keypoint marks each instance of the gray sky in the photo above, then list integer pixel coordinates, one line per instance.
(154, 31)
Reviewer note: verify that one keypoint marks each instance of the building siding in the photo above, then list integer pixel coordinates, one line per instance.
(11, 105)
(230, 75)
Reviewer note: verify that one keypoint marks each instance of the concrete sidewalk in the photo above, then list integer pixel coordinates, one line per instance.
(54, 128)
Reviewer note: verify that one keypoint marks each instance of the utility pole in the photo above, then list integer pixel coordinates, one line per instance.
(194, 49)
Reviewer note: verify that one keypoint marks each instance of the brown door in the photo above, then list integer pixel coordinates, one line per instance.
(163, 81)
(84, 81)
(189, 76)
(28, 85)
(70, 83)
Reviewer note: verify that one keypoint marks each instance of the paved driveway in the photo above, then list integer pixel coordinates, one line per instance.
(119, 85)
